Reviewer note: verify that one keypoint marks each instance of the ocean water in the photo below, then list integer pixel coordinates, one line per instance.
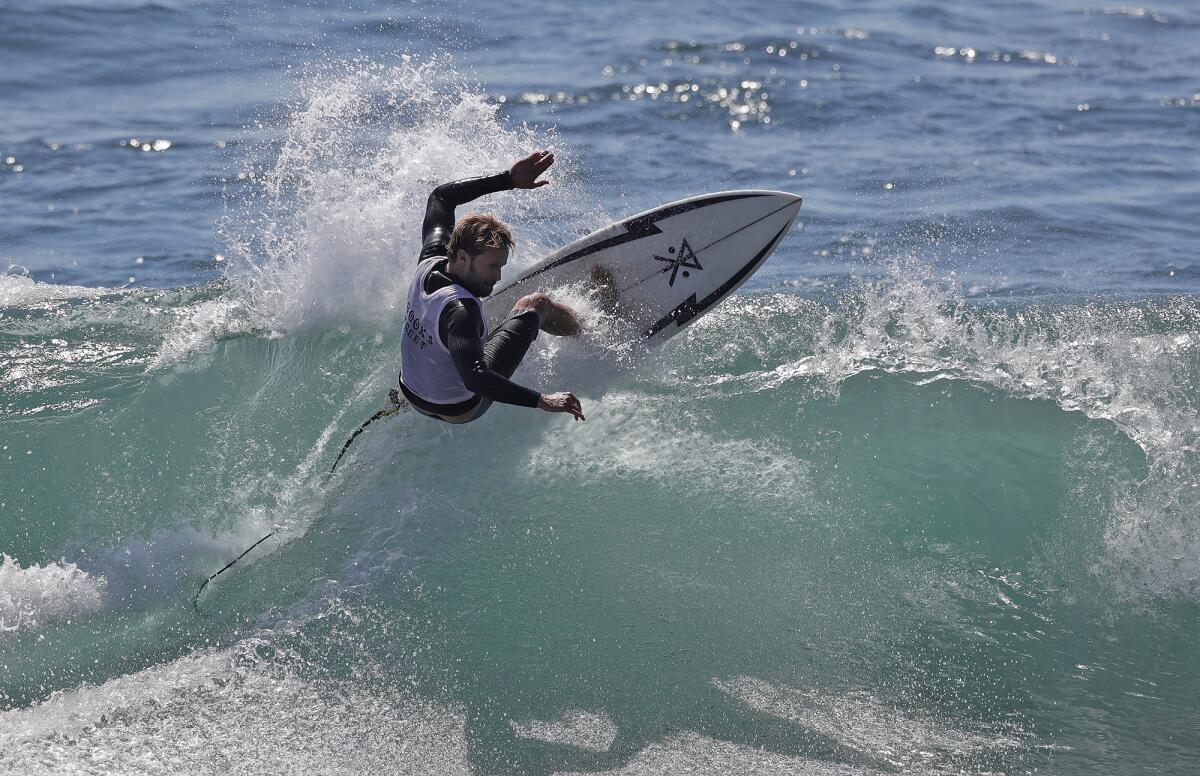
(922, 497)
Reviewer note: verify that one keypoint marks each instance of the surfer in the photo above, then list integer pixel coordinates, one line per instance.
(452, 367)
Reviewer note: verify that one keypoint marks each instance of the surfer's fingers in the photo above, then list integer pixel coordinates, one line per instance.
(539, 184)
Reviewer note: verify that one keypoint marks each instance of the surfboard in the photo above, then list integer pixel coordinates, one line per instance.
(669, 265)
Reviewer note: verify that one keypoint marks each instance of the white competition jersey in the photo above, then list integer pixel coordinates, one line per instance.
(425, 364)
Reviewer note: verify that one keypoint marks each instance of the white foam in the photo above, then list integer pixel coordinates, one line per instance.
(858, 720)
(20, 290)
(582, 729)
(698, 755)
(198, 329)
(229, 711)
(1153, 538)
(39, 594)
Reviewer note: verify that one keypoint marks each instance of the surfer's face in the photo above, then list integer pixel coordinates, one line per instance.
(482, 271)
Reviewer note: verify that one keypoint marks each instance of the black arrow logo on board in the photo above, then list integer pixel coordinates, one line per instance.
(684, 257)
(691, 307)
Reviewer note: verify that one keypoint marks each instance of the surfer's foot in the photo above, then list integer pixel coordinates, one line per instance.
(606, 289)
(554, 317)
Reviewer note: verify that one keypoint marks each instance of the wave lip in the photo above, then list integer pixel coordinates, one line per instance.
(32, 596)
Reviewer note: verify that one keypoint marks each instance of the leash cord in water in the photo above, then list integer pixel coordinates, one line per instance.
(396, 404)
(223, 569)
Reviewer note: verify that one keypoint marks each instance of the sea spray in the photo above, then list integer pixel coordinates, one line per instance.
(40, 593)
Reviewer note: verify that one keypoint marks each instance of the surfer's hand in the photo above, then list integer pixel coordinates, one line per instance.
(525, 172)
(561, 402)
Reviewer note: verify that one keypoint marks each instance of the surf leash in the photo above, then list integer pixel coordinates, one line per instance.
(223, 569)
(395, 404)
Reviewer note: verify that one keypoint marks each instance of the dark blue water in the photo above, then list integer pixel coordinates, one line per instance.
(920, 498)
(1031, 148)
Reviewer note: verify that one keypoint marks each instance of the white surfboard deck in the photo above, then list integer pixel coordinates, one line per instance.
(669, 265)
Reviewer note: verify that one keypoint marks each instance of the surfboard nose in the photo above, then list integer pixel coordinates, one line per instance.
(794, 201)
(782, 195)
(754, 217)
(788, 198)
(766, 199)
(777, 207)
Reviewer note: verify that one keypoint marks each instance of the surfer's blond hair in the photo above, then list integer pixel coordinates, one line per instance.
(477, 232)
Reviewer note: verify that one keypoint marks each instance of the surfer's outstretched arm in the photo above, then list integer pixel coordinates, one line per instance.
(439, 211)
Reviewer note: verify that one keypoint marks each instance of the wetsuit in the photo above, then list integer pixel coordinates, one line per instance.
(483, 366)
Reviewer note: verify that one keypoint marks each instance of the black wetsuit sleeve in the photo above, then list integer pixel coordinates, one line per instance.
(439, 212)
(461, 325)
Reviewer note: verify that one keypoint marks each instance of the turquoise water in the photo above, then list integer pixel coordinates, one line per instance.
(920, 498)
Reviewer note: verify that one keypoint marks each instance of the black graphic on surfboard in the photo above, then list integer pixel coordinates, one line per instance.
(684, 257)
